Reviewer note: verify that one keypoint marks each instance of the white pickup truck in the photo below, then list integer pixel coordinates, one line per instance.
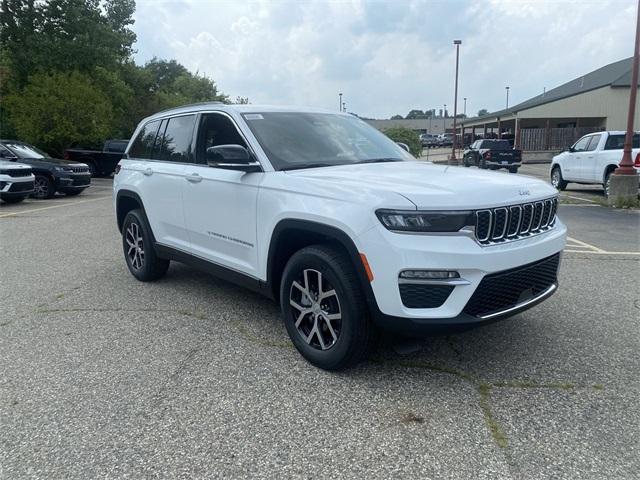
(592, 159)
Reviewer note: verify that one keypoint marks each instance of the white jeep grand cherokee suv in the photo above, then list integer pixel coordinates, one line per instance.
(326, 215)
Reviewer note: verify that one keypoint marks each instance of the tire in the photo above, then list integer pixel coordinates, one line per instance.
(465, 161)
(328, 343)
(43, 187)
(513, 169)
(93, 170)
(143, 263)
(483, 164)
(13, 199)
(556, 179)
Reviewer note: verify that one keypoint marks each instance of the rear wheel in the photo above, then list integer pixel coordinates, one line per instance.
(556, 179)
(607, 183)
(483, 163)
(43, 187)
(139, 253)
(513, 169)
(323, 308)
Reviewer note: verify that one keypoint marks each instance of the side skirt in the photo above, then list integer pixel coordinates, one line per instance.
(219, 271)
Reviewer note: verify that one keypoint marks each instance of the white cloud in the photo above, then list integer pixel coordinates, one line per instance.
(386, 57)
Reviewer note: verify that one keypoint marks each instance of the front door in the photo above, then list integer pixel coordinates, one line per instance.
(572, 167)
(220, 205)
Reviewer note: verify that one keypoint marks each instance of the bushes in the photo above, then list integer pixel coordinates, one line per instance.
(409, 137)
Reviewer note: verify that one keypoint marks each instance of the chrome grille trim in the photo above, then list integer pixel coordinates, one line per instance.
(519, 221)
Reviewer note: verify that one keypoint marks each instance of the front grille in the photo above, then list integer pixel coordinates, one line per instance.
(80, 169)
(503, 290)
(17, 172)
(21, 187)
(509, 223)
(416, 295)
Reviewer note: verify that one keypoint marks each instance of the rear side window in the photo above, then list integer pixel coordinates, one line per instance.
(143, 144)
(175, 142)
(616, 142)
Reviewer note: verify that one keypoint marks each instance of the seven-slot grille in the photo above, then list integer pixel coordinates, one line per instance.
(516, 221)
(17, 172)
(80, 169)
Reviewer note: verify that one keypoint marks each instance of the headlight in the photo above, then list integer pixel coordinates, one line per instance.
(417, 221)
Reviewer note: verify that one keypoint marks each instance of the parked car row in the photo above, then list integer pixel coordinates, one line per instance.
(430, 140)
(47, 175)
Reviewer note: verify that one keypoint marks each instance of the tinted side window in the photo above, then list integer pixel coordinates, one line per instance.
(595, 140)
(216, 129)
(175, 142)
(616, 142)
(143, 144)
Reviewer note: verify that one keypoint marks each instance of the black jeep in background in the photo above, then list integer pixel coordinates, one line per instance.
(493, 154)
(101, 162)
(51, 174)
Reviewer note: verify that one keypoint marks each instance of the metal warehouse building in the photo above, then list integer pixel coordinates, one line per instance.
(555, 119)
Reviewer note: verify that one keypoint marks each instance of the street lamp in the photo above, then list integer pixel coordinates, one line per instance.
(507, 89)
(344, 106)
(465, 107)
(624, 181)
(444, 112)
(340, 102)
(453, 160)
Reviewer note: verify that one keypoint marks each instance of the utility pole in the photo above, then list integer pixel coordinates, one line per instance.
(507, 89)
(465, 107)
(453, 160)
(623, 186)
(340, 102)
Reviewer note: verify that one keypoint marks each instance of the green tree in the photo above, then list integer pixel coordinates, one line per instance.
(407, 136)
(414, 114)
(482, 112)
(60, 109)
(397, 117)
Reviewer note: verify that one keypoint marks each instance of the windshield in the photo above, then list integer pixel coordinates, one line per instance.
(303, 140)
(22, 150)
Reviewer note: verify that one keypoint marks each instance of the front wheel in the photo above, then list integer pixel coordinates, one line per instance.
(138, 248)
(323, 308)
(513, 169)
(556, 179)
(43, 187)
(607, 184)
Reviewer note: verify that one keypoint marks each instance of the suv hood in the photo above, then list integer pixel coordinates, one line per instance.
(8, 165)
(430, 186)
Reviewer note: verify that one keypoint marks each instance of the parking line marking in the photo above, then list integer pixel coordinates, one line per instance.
(602, 253)
(68, 204)
(577, 198)
(580, 243)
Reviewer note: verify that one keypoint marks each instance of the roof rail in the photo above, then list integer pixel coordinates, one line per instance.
(190, 105)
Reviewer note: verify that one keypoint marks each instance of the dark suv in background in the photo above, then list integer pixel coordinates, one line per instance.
(51, 174)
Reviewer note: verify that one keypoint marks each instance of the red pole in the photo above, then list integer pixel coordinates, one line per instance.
(454, 160)
(626, 165)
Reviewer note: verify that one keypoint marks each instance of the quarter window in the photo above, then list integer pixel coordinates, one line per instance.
(143, 143)
(616, 142)
(175, 141)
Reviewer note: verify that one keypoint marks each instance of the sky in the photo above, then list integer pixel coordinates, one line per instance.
(386, 57)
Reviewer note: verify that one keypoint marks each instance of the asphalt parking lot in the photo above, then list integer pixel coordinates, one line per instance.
(104, 376)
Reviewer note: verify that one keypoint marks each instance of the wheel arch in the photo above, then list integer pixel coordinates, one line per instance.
(609, 168)
(127, 200)
(290, 235)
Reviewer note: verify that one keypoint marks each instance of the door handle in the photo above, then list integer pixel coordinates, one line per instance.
(194, 178)
(148, 172)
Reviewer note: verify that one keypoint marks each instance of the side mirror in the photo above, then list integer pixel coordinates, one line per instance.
(570, 149)
(404, 146)
(232, 157)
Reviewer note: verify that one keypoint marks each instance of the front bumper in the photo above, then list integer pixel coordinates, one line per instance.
(16, 187)
(73, 182)
(390, 253)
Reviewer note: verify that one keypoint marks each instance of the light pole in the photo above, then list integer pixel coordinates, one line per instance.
(340, 102)
(507, 89)
(624, 181)
(344, 106)
(444, 113)
(453, 160)
(465, 107)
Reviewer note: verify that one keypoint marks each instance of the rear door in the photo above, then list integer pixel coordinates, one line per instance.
(220, 205)
(161, 163)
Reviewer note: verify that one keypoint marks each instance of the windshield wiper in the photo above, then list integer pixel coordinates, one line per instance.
(308, 165)
(380, 160)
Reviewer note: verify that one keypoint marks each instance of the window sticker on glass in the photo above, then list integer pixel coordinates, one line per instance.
(253, 116)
